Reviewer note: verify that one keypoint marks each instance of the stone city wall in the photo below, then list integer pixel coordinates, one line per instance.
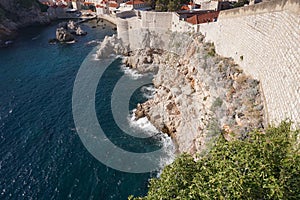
(132, 30)
(179, 25)
(264, 39)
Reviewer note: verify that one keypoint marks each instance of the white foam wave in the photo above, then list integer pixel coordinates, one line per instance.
(93, 42)
(133, 74)
(36, 37)
(145, 126)
(95, 57)
(170, 150)
(148, 91)
(71, 42)
(142, 125)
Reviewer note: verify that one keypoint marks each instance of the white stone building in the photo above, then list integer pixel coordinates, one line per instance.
(208, 4)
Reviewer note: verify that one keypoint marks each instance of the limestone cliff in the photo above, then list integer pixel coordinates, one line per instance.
(264, 39)
(15, 14)
(198, 93)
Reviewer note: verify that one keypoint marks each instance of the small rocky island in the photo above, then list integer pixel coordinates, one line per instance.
(66, 32)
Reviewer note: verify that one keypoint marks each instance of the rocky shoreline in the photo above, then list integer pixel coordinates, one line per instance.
(199, 94)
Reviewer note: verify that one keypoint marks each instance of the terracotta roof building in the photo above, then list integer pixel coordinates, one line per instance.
(136, 4)
(203, 18)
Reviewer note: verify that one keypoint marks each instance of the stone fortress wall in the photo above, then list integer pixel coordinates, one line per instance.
(132, 30)
(158, 25)
(264, 39)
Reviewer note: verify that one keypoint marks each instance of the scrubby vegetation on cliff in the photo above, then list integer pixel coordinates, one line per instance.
(265, 165)
(198, 93)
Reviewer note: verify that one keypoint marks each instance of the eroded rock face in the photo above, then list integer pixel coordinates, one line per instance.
(62, 35)
(199, 95)
(146, 60)
(112, 45)
(72, 27)
(15, 15)
(80, 32)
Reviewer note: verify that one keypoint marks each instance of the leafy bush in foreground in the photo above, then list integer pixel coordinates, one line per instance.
(263, 166)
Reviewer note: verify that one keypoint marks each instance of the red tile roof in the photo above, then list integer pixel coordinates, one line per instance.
(113, 5)
(203, 18)
(135, 2)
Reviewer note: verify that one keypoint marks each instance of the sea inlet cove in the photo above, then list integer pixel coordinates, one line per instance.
(149, 99)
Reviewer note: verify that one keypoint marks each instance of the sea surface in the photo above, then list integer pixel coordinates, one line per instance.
(41, 154)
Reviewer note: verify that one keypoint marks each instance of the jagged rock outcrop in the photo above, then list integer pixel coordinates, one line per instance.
(112, 45)
(198, 93)
(80, 32)
(66, 31)
(72, 27)
(15, 14)
(62, 35)
(145, 61)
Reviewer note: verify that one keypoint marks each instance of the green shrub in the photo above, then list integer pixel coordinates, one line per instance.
(263, 166)
(211, 51)
(167, 5)
(216, 104)
(240, 3)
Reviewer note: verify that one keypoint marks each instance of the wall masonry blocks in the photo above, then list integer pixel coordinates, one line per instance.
(264, 39)
(267, 36)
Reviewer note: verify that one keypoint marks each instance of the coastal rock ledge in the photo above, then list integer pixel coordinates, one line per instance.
(199, 94)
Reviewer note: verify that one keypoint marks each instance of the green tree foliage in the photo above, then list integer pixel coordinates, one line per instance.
(151, 3)
(240, 3)
(169, 5)
(173, 5)
(263, 166)
(161, 5)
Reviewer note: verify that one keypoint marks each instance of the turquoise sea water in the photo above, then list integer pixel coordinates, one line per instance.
(41, 155)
